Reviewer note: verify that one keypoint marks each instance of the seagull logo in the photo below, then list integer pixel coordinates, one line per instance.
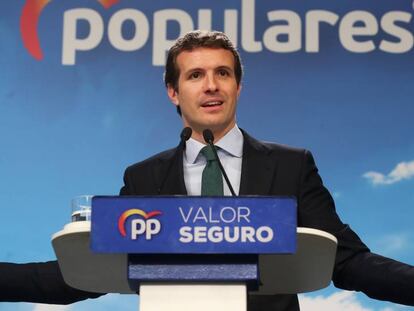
(30, 18)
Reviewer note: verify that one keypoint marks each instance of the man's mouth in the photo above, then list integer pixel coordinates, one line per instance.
(212, 104)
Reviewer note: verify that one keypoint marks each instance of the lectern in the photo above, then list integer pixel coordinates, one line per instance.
(194, 253)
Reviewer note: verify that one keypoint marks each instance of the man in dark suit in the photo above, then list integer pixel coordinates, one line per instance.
(203, 79)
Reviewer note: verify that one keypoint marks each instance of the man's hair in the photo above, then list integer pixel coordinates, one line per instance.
(197, 39)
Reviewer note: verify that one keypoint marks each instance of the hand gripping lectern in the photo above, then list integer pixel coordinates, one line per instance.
(194, 253)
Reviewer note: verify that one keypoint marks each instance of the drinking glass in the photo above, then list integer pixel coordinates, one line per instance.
(81, 208)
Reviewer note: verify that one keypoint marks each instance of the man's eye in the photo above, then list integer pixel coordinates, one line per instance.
(223, 73)
(195, 75)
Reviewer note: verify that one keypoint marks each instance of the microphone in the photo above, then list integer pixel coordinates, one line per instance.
(209, 139)
(184, 136)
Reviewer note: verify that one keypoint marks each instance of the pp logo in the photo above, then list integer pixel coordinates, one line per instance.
(144, 225)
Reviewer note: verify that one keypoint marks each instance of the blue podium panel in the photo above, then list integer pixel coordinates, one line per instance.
(193, 225)
(217, 268)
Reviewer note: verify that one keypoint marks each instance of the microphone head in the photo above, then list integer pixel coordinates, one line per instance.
(186, 133)
(208, 136)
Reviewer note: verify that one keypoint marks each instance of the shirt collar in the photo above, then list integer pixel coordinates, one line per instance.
(232, 143)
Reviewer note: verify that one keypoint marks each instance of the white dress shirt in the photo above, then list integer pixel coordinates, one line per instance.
(230, 152)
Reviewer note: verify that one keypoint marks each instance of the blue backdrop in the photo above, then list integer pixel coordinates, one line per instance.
(82, 97)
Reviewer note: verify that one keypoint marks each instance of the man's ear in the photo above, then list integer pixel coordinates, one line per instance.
(172, 94)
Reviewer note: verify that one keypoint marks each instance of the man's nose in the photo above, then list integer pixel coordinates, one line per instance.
(211, 83)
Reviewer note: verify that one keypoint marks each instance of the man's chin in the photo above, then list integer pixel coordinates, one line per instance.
(218, 128)
(213, 126)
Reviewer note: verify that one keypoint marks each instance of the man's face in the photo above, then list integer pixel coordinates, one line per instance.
(207, 90)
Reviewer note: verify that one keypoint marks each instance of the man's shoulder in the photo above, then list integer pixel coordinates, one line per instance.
(273, 148)
(154, 160)
(146, 177)
(282, 148)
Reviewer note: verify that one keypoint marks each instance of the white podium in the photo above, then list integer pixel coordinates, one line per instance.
(309, 269)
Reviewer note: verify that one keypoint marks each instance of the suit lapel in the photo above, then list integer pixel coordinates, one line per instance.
(258, 168)
(170, 174)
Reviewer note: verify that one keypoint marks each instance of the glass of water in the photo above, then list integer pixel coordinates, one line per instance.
(81, 208)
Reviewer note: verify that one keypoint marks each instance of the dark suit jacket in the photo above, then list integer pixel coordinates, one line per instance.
(267, 169)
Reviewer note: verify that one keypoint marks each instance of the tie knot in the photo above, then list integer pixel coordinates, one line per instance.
(208, 153)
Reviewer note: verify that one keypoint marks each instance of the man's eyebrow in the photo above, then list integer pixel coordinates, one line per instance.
(224, 67)
(194, 69)
(191, 70)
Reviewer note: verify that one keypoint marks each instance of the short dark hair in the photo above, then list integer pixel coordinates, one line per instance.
(197, 39)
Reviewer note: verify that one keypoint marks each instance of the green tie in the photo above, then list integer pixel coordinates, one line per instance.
(212, 181)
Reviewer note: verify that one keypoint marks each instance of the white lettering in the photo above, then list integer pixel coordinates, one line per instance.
(141, 30)
(137, 228)
(228, 237)
(292, 30)
(245, 215)
(185, 216)
(216, 234)
(153, 228)
(71, 43)
(185, 235)
(200, 215)
(160, 42)
(211, 218)
(200, 234)
(204, 19)
(248, 234)
(348, 30)
(231, 215)
(226, 214)
(356, 30)
(406, 40)
(313, 20)
(249, 27)
(230, 25)
(269, 234)
(150, 227)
